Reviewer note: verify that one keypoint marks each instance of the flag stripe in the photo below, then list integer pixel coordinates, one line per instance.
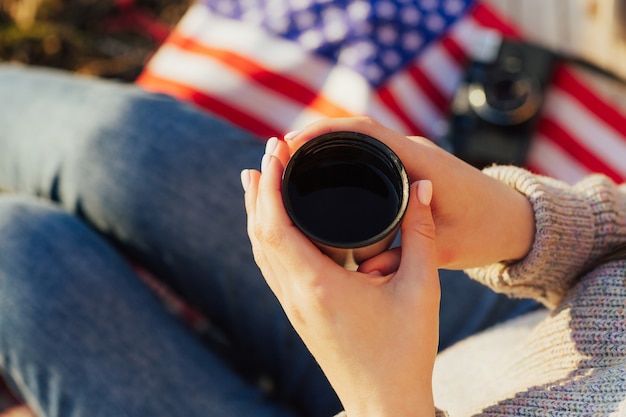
(454, 50)
(213, 78)
(567, 81)
(430, 90)
(184, 92)
(561, 137)
(269, 84)
(389, 100)
(591, 132)
(487, 18)
(263, 76)
(547, 158)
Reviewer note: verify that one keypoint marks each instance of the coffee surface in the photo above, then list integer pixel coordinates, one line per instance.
(344, 202)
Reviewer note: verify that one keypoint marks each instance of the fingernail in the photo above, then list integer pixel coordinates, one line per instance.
(265, 161)
(425, 192)
(376, 272)
(245, 179)
(292, 134)
(271, 144)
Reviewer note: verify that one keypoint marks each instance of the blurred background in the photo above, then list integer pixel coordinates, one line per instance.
(104, 38)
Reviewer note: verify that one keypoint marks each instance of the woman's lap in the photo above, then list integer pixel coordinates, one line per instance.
(161, 180)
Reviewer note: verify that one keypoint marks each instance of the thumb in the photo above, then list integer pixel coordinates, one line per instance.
(418, 230)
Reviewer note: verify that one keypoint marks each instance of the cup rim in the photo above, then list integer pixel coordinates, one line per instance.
(349, 137)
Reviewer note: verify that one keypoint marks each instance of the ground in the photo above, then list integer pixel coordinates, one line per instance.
(105, 38)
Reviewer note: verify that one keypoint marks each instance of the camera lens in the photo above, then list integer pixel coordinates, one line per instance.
(505, 97)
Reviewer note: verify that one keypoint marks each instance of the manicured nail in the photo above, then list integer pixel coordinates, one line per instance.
(292, 134)
(265, 161)
(245, 179)
(425, 192)
(271, 144)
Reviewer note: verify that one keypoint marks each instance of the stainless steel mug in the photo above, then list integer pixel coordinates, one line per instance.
(347, 192)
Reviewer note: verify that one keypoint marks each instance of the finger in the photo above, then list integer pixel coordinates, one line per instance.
(250, 182)
(418, 231)
(384, 264)
(283, 244)
(394, 140)
(277, 148)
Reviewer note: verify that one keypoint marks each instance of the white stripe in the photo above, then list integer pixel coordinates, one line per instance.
(277, 54)
(343, 87)
(595, 135)
(415, 103)
(552, 161)
(347, 88)
(212, 78)
(441, 69)
(379, 111)
(467, 32)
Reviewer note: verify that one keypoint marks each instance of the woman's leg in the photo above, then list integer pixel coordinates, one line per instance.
(162, 180)
(81, 336)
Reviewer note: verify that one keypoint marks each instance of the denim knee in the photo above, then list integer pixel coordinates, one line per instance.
(50, 265)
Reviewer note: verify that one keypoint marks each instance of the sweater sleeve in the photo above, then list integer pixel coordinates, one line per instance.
(438, 413)
(574, 225)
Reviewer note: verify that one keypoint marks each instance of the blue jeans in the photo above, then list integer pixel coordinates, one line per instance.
(100, 173)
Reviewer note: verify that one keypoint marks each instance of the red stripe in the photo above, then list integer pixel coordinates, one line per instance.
(533, 168)
(487, 18)
(561, 137)
(426, 85)
(214, 105)
(454, 50)
(387, 97)
(265, 77)
(565, 79)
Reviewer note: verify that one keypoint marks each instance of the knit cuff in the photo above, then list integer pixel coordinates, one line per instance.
(438, 413)
(564, 240)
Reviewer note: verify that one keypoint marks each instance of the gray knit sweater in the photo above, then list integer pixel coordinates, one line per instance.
(569, 360)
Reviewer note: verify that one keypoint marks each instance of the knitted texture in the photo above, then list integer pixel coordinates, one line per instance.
(566, 361)
(573, 363)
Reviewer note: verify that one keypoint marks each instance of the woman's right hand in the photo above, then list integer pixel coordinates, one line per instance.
(478, 219)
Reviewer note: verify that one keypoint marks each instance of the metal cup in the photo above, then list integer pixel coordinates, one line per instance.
(347, 192)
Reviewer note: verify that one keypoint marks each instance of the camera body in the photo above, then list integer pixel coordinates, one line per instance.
(495, 110)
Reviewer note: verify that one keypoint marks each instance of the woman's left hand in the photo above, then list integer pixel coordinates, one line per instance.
(374, 333)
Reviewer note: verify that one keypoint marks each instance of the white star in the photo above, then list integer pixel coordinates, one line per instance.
(335, 31)
(373, 72)
(435, 23)
(311, 39)
(453, 7)
(429, 4)
(304, 20)
(359, 10)
(391, 58)
(385, 9)
(301, 4)
(412, 41)
(225, 7)
(410, 15)
(387, 35)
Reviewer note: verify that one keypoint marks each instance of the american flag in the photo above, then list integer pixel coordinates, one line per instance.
(271, 66)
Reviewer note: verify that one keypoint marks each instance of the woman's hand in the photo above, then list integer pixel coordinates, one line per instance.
(478, 219)
(375, 335)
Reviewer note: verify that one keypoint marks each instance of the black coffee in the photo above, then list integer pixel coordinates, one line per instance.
(344, 202)
(343, 193)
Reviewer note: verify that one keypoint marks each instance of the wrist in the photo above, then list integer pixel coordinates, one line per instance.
(394, 404)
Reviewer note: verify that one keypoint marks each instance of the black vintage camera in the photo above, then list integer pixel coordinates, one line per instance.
(495, 110)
